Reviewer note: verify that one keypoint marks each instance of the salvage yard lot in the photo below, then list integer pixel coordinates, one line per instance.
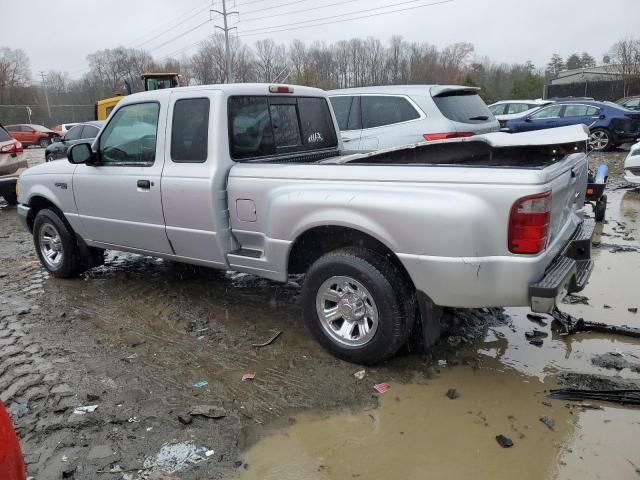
(152, 343)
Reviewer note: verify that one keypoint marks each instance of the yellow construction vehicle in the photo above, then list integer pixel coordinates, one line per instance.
(152, 81)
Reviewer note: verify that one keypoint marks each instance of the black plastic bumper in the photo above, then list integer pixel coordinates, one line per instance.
(568, 273)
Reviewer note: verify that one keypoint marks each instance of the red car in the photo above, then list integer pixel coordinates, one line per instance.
(11, 462)
(30, 134)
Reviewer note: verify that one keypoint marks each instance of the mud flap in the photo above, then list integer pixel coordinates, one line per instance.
(90, 257)
(430, 316)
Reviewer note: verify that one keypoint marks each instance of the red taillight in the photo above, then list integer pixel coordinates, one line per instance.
(430, 137)
(12, 148)
(280, 89)
(529, 223)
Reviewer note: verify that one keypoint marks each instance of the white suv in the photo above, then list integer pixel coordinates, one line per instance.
(371, 118)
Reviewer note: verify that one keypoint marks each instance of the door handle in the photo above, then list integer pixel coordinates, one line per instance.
(144, 184)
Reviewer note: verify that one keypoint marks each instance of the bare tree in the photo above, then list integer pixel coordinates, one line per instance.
(625, 56)
(15, 73)
(270, 60)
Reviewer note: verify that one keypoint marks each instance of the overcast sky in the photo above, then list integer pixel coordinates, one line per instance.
(60, 34)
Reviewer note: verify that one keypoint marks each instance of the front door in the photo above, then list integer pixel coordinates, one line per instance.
(548, 117)
(118, 197)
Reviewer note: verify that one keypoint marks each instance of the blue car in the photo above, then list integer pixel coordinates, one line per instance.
(610, 124)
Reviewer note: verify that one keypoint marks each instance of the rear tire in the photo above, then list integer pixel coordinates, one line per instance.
(600, 209)
(600, 140)
(10, 197)
(49, 158)
(44, 142)
(56, 245)
(358, 305)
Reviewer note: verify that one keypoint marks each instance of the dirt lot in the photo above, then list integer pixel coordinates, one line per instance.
(139, 337)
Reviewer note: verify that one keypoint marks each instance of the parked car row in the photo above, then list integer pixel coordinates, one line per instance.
(12, 164)
(80, 132)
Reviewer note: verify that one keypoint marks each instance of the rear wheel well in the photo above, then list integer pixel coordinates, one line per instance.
(316, 242)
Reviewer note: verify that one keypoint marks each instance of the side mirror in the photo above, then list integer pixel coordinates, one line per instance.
(527, 119)
(80, 153)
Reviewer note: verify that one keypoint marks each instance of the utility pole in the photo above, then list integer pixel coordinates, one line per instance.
(225, 29)
(46, 96)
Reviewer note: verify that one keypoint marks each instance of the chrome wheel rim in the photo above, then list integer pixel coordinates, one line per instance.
(347, 311)
(599, 140)
(50, 245)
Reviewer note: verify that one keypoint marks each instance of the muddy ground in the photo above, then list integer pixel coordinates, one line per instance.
(139, 337)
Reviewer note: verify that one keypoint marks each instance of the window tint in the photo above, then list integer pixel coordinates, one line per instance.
(379, 111)
(593, 110)
(4, 135)
(74, 133)
(498, 109)
(576, 111)
(90, 131)
(284, 120)
(12, 128)
(548, 112)
(341, 107)
(517, 108)
(190, 130)
(264, 126)
(130, 136)
(25, 129)
(463, 106)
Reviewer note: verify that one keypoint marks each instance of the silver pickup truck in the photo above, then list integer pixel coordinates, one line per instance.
(251, 178)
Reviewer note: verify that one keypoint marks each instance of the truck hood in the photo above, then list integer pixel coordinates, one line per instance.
(57, 167)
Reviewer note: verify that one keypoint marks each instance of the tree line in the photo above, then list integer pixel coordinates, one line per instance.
(345, 63)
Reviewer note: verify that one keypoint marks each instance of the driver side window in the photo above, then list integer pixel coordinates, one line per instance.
(549, 112)
(130, 136)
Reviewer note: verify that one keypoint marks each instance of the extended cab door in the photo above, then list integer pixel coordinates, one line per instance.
(194, 194)
(118, 197)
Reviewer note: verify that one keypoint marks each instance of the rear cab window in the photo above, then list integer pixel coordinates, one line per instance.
(463, 106)
(271, 126)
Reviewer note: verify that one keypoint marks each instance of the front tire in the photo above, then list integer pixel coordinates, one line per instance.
(358, 305)
(44, 142)
(56, 244)
(600, 140)
(49, 158)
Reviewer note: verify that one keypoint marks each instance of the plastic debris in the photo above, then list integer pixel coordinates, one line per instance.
(208, 453)
(381, 387)
(85, 409)
(360, 374)
(269, 341)
(548, 421)
(175, 457)
(248, 376)
(200, 384)
(504, 442)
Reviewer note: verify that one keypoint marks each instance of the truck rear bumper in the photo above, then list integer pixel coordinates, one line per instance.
(568, 273)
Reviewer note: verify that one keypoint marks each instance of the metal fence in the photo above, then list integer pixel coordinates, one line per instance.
(600, 90)
(49, 117)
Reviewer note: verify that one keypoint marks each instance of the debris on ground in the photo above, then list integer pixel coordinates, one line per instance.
(248, 376)
(548, 421)
(615, 361)
(175, 457)
(360, 374)
(200, 384)
(381, 387)
(633, 309)
(209, 411)
(85, 409)
(572, 325)
(623, 397)
(452, 394)
(538, 342)
(572, 299)
(535, 334)
(269, 341)
(537, 318)
(185, 419)
(504, 442)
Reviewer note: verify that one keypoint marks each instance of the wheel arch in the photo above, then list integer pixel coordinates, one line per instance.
(40, 202)
(316, 241)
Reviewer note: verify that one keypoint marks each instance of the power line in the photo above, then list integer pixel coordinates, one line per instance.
(175, 26)
(170, 22)
(292, 26)
(179, 36)
(298, 11)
